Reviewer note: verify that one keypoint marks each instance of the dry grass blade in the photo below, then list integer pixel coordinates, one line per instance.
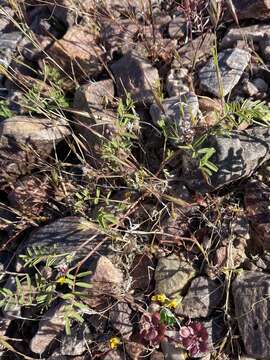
(214, 10)
(232, 10)
(4, 343)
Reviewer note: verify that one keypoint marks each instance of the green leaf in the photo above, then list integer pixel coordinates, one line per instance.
(70, 276)
(67, 325)
(76, 316)
(68, 281)
(40, 299)
(212, 166)
(200, 141)
(83, 285)
(68, 296)
(81, 306)
(167, 317)
(82, 274)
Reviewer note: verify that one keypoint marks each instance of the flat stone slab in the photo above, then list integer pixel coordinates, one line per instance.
(252, 310)
(172, 275)
(72, 235)
(204, 295)
(231, 64)
(237, 156)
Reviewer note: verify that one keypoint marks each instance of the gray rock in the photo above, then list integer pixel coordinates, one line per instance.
(98, 123)
(256, 87)
(231, 253)
(94, 131)
(264, 173)
(134, 349)
(94, 96)
(252, 9)
(8, 44)
(120, 317)
(250, 89)
(114, 355)
(12, 309)
(24, 140)
(196, 50)
(265, 47)
(5, 12)
(240, 227)
(65, 11)
(172, 275)
(57, 356)
(252, 34)
(76, 343)
(216, 331)
(35, 131)
(4, 324)
(30, 52)
(251, 298)
(51, 324)
(170, 351)
(70, 235)
(135, 75)
(237, 156)
(232, 63)
(176, 82)
(204, 295)
(178, 113)
(260, 84)
(177, 27)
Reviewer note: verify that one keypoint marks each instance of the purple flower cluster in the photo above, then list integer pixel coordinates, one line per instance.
(151, 329)
(194, 338)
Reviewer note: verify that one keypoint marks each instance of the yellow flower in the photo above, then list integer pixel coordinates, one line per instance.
(159, 298)
(173, 304)
(114, 342)
(61, 280)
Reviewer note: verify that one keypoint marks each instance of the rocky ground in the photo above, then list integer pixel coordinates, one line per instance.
(134, 179)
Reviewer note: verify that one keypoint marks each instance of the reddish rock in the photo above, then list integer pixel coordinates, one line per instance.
(30, 195)
(156, 355)
(176, 227)
(77, 51)
(106, 280)
(93, 96)
(142, 272)
(257, 197)
(118, 37)
(135, 75)
(134, 350)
